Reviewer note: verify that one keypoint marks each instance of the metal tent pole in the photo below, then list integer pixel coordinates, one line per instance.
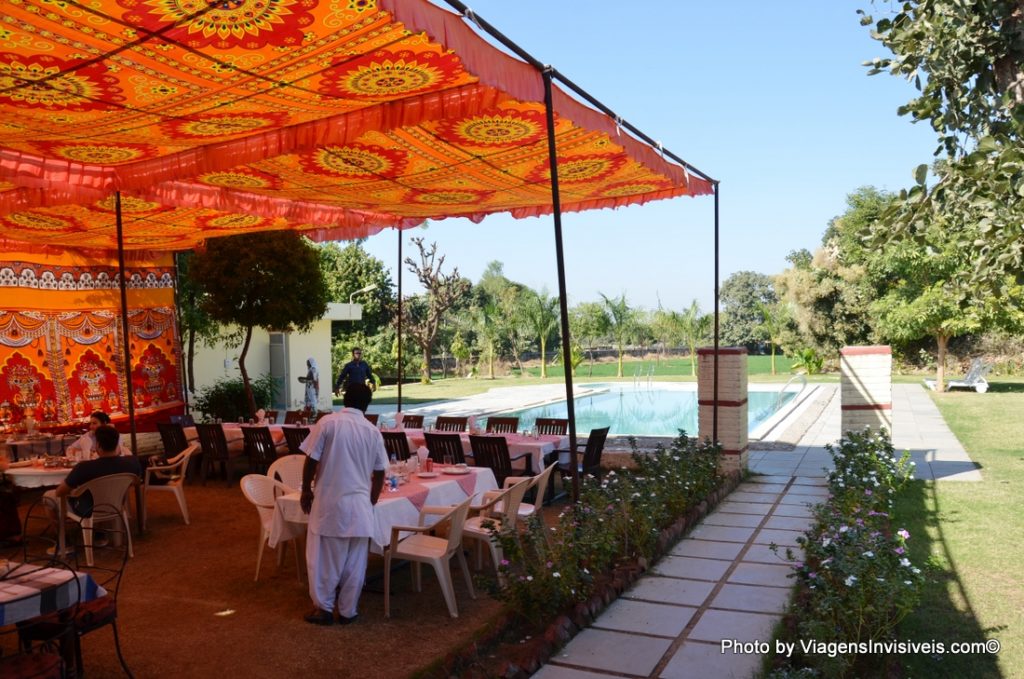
(399, 319)
(563, 303)
(714, 410)
(124, 322)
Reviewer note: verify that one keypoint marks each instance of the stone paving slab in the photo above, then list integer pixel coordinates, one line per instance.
(643, 617)
(707, 549)
(671, 591)
(695, 660)
(751, 598)
(614, 651)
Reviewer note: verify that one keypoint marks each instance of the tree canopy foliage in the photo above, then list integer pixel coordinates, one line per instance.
(741, 293)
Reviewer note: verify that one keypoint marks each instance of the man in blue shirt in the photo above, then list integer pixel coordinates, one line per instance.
(106, 463)
(356, 371)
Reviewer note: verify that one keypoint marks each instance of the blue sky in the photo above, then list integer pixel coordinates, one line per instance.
(770, 98)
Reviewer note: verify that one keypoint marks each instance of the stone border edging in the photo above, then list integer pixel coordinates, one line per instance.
(538, 650)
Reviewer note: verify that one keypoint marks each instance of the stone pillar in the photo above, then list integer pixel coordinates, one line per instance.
(866, 387)
(732, 403)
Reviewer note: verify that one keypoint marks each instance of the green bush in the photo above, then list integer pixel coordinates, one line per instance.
(225, 398)
(547, 569)
(856, 582)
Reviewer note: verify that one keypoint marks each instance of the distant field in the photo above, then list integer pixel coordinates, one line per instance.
(673, 367)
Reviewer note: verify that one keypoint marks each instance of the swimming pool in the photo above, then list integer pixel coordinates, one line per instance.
(659, 410)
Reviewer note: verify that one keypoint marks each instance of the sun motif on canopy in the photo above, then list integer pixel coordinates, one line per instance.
(585, 168)
(389, 75)
(495, 130)
(209, 125)
(233, 221)
(362, 161)
(224, 24)
(450, 196)
(244, 179)
(41, 221)
(42, 81)
(621, 189)
(129, 205)
(96, 154)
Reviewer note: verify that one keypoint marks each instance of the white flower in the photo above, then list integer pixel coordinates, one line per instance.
(529, 578)
(905, 562)
(915, 571)
(850, 579)
(556, 574)
(869, 554)
(843, 529)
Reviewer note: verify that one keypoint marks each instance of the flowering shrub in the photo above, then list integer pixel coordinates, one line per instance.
(856, 582)
(546, 570)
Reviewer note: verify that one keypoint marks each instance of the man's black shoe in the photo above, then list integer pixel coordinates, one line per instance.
(319, 617)
(342, 620)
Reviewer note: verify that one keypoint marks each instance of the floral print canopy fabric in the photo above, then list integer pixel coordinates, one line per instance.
(335, 117)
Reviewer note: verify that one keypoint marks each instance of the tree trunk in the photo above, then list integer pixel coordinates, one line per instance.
(490, 360)
(425, 368)
(940, 367)
(620, 361)
(693, 360)
(772, 345)
(591, 373)
(245, 373)
(543, 358)
(191, 386)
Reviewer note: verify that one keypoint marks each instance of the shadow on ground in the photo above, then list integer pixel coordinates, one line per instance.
(946, 614)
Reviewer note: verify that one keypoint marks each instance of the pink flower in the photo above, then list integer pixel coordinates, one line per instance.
(902, 532)
(867, 491)
(899, 550)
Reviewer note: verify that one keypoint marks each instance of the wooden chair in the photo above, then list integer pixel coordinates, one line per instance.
(422, 548)
(492, 452)
(412, 421)
(260, 447)
(502, 425)
(294, 416)
(183, 420)
(271, 416)
(170, 477)
(294, 436)
(501, 507)
(372, 418)
(590, 465)
(396, 444)
(451, 423)
(215, 450)
(552, 426)
(441, 445)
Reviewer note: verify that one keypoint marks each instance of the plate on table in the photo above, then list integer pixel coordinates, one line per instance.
(457, 471)
(427, 475)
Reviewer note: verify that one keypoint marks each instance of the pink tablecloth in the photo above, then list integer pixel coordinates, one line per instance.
(518, 444)
(400, 508)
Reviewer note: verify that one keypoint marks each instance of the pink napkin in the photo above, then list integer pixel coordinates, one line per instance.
(467, 483)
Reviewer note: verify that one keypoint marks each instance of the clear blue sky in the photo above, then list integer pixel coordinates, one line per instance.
(770, 98)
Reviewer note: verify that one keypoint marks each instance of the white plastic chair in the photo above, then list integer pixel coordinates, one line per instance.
(173, 476)
(109, 495)
(288, 470)
(501, 507)
(260, 491)
(540, 482)
(422, 548)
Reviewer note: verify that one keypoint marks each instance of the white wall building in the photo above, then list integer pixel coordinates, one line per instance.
(282, 355)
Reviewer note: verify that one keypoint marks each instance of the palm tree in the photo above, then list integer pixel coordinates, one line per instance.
(622, 323)
(774, 319)
(542, 316)
(485, 323)
(694, 326)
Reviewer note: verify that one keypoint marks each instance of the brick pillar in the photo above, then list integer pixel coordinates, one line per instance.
(866, 384)
(732, 403)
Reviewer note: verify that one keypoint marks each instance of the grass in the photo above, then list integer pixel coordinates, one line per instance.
(969, 535)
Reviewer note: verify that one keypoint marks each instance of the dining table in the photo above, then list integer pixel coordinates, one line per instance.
(537, 447)
(29, 590)
(443, 487)
(32, 476)
(23, 447)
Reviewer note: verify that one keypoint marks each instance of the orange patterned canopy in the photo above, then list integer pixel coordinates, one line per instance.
(334, 117)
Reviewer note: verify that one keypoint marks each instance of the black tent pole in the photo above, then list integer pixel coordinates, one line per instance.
(125, 335)
(399, 319)
(714, 410)
(563, 302)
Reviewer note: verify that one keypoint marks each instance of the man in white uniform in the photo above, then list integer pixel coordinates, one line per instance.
(346, 456)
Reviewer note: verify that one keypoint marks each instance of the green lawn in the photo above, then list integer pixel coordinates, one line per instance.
(674, 367)
(970, 535)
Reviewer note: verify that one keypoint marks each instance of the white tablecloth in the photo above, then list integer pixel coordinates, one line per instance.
(392, 509)
(37, 477)
(518, 444)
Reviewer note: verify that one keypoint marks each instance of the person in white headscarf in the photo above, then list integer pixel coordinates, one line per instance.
(312, 382)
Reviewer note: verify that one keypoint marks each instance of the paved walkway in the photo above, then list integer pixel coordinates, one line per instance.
(722, 582)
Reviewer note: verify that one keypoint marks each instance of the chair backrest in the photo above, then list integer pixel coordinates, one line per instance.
(271, 416)
(592, 453)
(540, 482)
(260, 491)
(552, 426)
(293, 416)
(412, 421)
(294, 436)
(183, 420)
(173, 437)
(502, 425)
(492, 452)
(108, 491)
(451, 423)
(321, 414)
(511, 502)
(372, 418)
(213, 441)
(974, 372)
(288, 470)
(396, 444)
(259, 445)
(440, 445)
(458, 519)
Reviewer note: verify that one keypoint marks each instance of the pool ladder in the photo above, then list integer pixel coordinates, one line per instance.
(778, 399)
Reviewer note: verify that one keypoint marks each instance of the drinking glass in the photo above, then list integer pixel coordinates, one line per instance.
(252, 421)
(241, 420)
(447, 459)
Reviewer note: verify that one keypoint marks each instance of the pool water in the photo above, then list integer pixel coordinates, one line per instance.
(643, 411)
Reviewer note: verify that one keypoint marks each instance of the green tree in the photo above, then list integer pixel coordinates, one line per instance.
(541, 314)
(590, 325)
(460, 350)
(695, 327)
(268, 279)
(740, 294)
(423, 314)
(194, 324)
(774, 321)
(349, 269)
(621, 324)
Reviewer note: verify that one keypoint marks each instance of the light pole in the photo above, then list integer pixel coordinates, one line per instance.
(371, 286)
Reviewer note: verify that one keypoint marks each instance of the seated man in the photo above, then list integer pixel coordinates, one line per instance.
(108, 462)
